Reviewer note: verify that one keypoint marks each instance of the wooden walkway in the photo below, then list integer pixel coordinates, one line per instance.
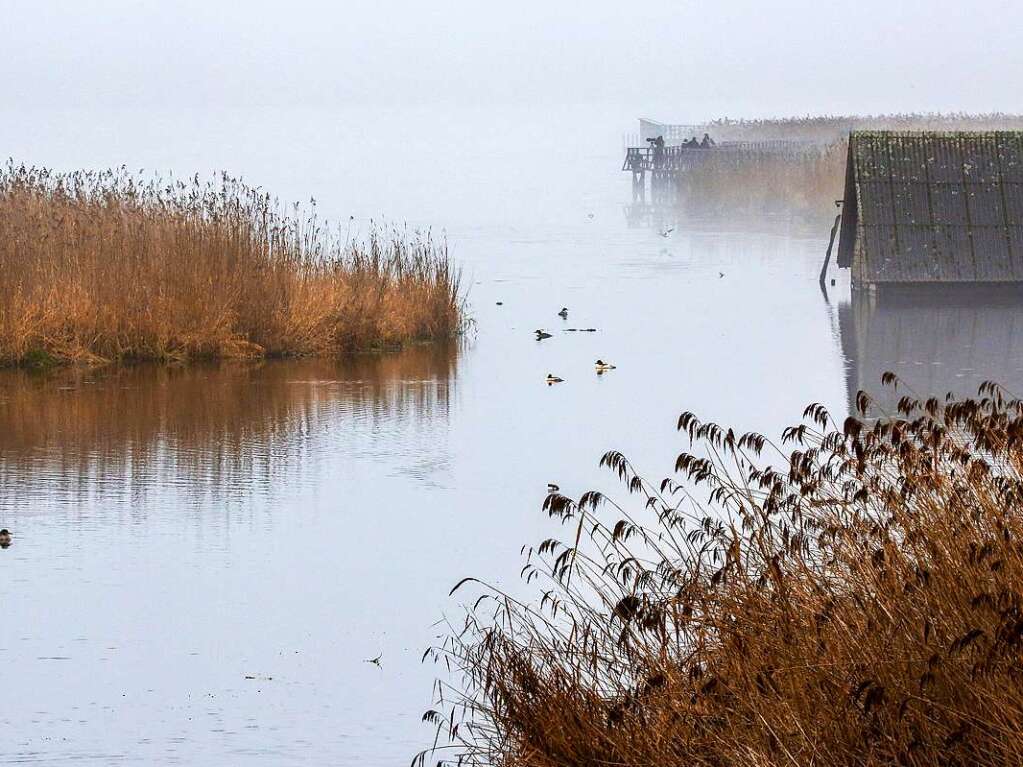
(681, 157)
(667, 165)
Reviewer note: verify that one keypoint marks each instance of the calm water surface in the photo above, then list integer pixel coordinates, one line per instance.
(179, 531)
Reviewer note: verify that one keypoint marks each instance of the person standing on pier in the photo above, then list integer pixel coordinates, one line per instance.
(658, 150)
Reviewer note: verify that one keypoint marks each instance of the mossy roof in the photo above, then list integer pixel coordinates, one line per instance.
(934, 206)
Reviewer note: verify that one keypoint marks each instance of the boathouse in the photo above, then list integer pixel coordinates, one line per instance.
(933, 207)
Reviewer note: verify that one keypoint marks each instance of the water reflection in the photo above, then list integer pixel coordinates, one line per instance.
(936, 339)
(644, 215)
(196, 553)
(216, 429)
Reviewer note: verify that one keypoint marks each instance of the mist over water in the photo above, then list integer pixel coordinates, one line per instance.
(205, 557)
(180, 530)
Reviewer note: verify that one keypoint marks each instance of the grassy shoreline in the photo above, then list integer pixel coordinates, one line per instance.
(851, 594)
(103, 267)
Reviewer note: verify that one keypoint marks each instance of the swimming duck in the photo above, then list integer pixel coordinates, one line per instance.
(552, 488)
(563, 313)
(602, 366)
(541, 335)
(5, 538)
(553, 379)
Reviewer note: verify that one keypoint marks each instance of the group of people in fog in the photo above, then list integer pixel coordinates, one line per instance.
(694, 143)
(657, 147)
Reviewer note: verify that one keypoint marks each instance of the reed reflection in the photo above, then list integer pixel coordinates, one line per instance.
(936, 339)
(217, 429)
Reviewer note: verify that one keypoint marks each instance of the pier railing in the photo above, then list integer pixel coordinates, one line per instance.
(681, 157)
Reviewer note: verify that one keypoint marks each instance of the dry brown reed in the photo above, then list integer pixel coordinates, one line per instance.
(827, 129)
(803, 181)
(106, 266)
(850, 595)
(763, 183)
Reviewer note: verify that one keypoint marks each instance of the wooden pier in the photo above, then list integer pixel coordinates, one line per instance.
(666, 166)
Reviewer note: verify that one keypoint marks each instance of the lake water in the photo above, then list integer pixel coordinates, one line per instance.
(205, 557)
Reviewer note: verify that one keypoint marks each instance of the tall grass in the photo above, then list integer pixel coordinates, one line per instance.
(105, 266)
(849, 595)
(806, 181)
(758, 183)
(827, 129)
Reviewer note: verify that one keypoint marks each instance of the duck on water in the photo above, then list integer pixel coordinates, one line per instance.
(604, 366)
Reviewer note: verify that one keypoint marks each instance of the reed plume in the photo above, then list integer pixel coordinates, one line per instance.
(849, 595)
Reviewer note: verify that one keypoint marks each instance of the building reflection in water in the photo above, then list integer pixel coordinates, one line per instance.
(212, 428)
(936, 339)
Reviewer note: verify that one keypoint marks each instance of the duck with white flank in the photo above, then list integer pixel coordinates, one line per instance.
(604, 366)
(553, 379)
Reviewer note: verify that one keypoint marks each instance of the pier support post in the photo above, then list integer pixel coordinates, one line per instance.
(662, 184)
(638, 186)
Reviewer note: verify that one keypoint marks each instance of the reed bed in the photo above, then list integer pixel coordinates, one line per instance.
(761, 183)
(849, 595)
(809, 178)
(827, 129)
(104, 266)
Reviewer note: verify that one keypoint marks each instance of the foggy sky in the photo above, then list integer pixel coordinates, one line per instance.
(673, 60)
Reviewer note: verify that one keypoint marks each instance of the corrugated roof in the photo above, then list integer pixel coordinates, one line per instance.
(934, 206)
